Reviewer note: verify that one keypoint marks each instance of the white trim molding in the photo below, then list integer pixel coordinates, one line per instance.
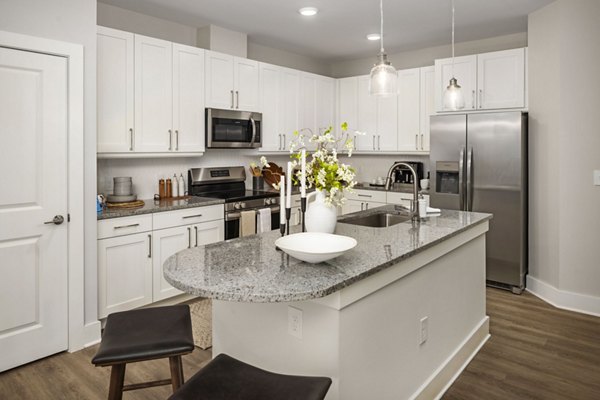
(74, 55)
(571, 301)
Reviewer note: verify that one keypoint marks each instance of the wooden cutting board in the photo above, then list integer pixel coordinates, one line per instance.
(129, 204)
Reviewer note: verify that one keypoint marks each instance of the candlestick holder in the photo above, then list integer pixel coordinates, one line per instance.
(303, 211)
(282, 229)
(288, 215)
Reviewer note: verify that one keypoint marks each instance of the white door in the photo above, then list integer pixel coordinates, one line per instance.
(270, 78)
(289, 95)
(165, 243)
(427, 108)
(245, 82)
(153, 95)
(219, 80)
(114, 76)
(33, 178)
(367, 116)
(465, 71)
(188, 98)
(208, 232)
(387, 124)
(409, 118)
(501, 79)
(124, 273)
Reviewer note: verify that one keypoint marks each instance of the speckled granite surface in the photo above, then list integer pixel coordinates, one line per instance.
(154, 206)
(251, 270)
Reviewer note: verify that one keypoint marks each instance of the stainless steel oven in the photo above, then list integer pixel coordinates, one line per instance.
(233, 129)
(233, 214)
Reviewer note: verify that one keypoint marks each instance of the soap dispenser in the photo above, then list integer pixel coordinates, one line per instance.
(181, 184)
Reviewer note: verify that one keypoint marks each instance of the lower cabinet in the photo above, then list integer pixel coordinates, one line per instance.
(351, 206)
(362, 200)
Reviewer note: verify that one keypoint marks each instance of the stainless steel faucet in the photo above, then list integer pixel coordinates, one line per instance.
(414, 204)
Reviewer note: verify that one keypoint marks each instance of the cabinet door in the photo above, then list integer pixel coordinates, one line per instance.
(219, 84)
(465, 71)
(387, 124)
(307, 106)
(115, 91)
(409, 118)
(188, 98)
(208, 232)
(153, 95)
(246, 84)
(165, 243)
(325, 103)
(124, 273)
(289, 96)
(347, 96)
(367, 116)
(270, 82)
(351, 206)
(427, 108)
(501, 79)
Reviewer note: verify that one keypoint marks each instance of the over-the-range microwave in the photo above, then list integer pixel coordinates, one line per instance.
(233, 129)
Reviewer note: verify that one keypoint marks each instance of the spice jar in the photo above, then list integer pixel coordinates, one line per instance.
(162, 190)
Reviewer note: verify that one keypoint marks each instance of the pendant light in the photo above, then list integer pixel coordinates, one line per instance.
(384, 78)
(453, 97)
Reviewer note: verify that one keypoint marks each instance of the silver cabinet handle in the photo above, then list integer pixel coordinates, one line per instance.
(422, 147)
(176, 140)
(191, 216)
(149, 246)
(130, 139)
(231, 91)
(362, 205)
(189, 237)
(170, 140)
(126, 226)
(374, 142)
(480, 98)
(367, 206)
(237, 97)
(365, 195)
(473, 99)
(378, 142)
(196, 231)
(57, 220)
(417, 141)
(284, 140)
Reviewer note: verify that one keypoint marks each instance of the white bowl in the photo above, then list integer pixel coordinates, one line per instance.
(315, 247)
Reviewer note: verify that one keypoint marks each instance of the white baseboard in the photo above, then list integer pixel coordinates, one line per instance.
(91, 334)
(563, 299)
(446, 374)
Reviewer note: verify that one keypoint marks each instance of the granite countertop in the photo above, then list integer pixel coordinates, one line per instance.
(154, 206)
(396, 188)
(249, 269)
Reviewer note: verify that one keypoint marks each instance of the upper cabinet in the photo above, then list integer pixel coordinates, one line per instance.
(231, 82)
(427, 108)
(270, 84)
(409, 118)
(489, 81)
(347, 104)
(150, 96)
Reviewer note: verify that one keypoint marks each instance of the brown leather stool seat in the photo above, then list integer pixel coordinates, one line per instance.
(146, 334)
(226, 378)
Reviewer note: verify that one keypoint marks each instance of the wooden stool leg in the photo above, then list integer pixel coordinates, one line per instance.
(176, 372)
(117, 378)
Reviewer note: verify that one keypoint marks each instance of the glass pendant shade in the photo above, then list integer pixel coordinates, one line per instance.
(384, 79)
(453, 96)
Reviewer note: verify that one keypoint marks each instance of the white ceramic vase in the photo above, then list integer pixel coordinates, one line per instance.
(320, 217)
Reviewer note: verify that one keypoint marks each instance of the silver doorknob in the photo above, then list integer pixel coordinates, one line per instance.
(57, 220)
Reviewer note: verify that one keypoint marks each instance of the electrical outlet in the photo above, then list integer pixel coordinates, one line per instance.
(597, 177)
(295, 322)
(424, 329)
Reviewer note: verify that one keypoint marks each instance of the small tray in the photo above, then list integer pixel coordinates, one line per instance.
(114, 198)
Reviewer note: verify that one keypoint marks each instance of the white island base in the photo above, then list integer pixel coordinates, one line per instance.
(367, 337)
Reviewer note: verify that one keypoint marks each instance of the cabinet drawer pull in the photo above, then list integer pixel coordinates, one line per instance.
(374, 143)
(149, 246)
(126, 226)
(170, 140)
(196, 231)
(189, 237)
(365, 195)
(362, 206)
(473, 99)
(422, 147)
(231, 91)
(130, 139)
(192, 216)
(378, 142)
(237, 97)
(176, 140)
(480, 98)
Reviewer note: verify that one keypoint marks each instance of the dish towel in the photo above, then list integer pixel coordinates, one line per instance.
(263, 222)
(247, 223)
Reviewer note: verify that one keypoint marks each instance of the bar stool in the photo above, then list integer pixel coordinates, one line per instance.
(225, 378)
(142, 335)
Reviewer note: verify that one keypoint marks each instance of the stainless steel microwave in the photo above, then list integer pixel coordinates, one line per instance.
(233, 129)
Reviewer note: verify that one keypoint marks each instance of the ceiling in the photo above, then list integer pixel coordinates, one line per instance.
(338, 32)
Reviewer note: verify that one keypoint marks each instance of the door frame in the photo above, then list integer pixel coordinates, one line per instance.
(75, 175)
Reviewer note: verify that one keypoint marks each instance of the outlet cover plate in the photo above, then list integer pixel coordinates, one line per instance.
(295, 322)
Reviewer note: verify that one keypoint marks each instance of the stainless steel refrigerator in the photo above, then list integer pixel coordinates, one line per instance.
(478, 162)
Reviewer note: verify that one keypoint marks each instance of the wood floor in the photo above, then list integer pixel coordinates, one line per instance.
(536, 352)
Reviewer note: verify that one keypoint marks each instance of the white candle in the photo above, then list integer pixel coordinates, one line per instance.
(303, 181)
(288, 199)
(282, 200)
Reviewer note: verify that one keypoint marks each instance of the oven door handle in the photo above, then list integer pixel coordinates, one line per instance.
(253, 123)
(234, 216)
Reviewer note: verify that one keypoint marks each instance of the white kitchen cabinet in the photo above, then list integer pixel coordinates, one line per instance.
(351, 206)
(124, 273)
(231, 82)
(387, 123)
(347, 104)
(115, 91)
(366, 117)
(501, 79)
(409, 117)
(307, 116)
(465, 72)
(325, 103)
(153, 95)
(188, 99)
(427, 102)
(270, 84)
(289, 102)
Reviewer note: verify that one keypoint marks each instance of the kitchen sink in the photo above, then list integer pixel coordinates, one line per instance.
(378, 220)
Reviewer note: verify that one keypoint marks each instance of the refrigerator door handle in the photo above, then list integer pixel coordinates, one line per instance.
(461, 181)
(470, 179)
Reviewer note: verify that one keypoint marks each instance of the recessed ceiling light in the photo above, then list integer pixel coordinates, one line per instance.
(373, 36)
(308, 11)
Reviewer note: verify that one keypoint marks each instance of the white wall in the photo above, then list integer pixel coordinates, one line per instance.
(564, 55)
(426, 56)
(71, 21)
(287, 59)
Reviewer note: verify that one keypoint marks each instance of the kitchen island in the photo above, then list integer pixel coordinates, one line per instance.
(397, 317)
